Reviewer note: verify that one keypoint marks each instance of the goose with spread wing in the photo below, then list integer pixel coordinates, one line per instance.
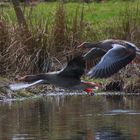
(113, 55)
(68, 78)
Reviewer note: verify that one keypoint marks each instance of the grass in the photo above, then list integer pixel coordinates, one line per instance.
(93, 13)
(56, 29)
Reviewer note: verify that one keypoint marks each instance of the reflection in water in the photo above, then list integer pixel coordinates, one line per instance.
(110, 134)
(71, 118)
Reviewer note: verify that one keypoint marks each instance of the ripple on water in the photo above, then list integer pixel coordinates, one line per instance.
(22, 137)
(119, 112)
(65, 93)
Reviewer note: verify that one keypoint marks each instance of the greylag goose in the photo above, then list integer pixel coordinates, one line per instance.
(67, 78)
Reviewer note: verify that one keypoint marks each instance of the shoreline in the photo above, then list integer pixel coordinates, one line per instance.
(65, 93)
(36, 91)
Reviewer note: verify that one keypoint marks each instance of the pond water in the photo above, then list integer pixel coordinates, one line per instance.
(75, 117)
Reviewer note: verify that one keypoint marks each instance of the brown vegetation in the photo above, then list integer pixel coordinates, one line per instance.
(35, 49)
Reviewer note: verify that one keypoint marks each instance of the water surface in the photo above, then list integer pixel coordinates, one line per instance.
(75, 117)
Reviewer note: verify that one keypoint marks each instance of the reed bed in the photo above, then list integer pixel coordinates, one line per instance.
(53, 35)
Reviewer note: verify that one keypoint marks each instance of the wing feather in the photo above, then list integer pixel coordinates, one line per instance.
(94, 55)
(75, 68)
(115, 59)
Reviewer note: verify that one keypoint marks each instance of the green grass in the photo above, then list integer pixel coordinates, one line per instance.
(93, 13)
(55, 30)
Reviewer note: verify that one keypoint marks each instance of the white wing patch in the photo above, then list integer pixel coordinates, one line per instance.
(18, 86)
(117, 45)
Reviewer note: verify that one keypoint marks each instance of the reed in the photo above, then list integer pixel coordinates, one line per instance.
(55, 36)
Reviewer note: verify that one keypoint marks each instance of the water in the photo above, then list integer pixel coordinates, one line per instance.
(75, 117)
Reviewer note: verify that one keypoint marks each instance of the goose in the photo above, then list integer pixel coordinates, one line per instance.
(67, 78)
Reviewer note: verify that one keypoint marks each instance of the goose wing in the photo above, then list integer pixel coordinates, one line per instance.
(115, 59)
(75, 68)
(18, 86)
(94, 55)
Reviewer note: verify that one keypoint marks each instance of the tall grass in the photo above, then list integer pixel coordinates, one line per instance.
(53, 38)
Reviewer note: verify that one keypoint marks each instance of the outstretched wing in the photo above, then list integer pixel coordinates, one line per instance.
(94, 53)
(75, 68)
(94, 56)
(18, 86)
(115, 59)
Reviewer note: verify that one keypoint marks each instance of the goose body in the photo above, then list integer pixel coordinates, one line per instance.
(67, 78)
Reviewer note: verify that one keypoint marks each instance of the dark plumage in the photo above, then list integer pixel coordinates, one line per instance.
(67, 78)
(113, 55)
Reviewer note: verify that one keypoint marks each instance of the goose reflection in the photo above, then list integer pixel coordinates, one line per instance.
(104, 133)
(110, 134)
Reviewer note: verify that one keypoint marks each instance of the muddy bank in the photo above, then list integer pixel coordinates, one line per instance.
(127, 87)
(111, 86)
(6, 93)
